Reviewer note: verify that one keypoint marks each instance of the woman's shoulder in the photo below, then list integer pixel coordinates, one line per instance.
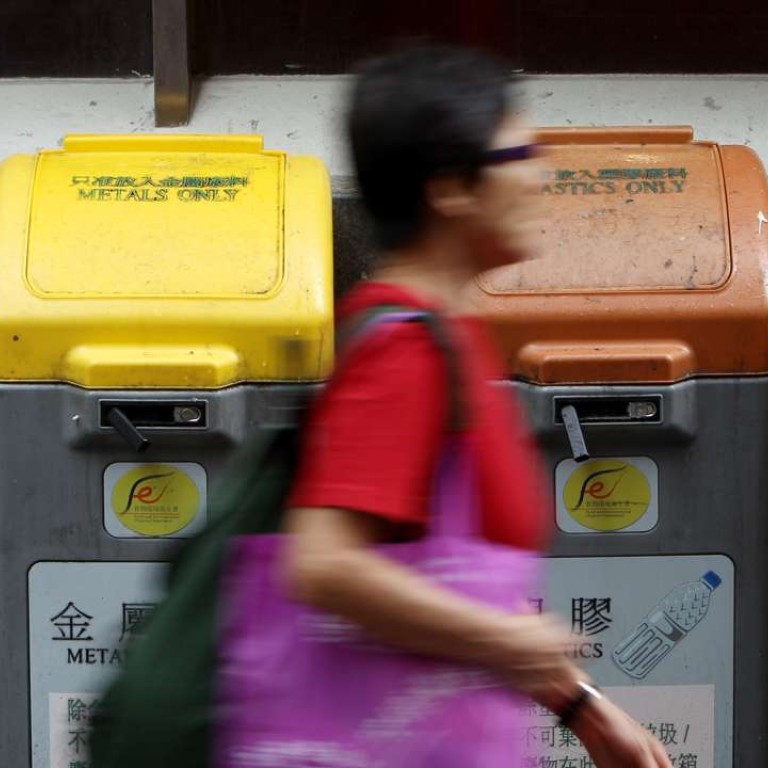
(370, 294)
(378, 317)
(386, 359)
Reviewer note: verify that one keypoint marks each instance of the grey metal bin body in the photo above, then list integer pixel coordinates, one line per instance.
(58, 552)
(710, 453)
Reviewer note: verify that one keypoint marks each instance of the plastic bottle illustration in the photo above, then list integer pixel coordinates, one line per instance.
(665, 626)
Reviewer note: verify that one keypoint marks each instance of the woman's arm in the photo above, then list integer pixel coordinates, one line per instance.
(331, 566)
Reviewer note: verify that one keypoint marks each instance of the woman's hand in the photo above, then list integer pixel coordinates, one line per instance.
(614, 740)
(538, 666)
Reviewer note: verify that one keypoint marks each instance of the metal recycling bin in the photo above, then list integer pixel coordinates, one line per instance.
(647, 314)
(161, 296)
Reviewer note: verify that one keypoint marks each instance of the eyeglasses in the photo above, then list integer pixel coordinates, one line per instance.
(509, 154)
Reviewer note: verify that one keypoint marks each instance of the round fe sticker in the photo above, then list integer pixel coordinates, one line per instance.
(607, 494)
(155, 499)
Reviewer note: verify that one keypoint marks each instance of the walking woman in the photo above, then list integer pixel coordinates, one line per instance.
(445, 172)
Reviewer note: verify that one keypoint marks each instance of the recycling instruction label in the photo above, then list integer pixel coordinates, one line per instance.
(655, 632)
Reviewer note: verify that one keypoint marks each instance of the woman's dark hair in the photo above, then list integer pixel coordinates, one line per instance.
(415, 115)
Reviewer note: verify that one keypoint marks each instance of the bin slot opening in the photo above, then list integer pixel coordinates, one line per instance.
(611, 410)
(177, 414)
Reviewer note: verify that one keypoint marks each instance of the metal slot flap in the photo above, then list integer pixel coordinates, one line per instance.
(157, 413)
(611, 410)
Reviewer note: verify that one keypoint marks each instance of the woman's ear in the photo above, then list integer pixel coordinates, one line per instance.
(450, 197)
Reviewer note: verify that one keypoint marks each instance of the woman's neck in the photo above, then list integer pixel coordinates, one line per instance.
(434, 268)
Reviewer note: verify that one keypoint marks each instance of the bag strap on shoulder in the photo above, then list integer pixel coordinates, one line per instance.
(360, 325)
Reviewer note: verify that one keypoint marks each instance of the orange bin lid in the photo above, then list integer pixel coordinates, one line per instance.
(652, 265)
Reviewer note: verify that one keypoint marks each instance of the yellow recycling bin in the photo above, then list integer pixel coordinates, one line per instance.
(160, 293)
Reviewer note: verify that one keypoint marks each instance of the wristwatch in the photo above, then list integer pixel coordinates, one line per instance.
(586, 692)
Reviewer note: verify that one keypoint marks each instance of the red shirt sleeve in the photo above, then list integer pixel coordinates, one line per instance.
(374, 435)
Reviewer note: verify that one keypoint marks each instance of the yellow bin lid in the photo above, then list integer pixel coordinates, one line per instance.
(165, 262)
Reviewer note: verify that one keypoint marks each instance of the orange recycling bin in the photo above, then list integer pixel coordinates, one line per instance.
(639, 341)
(652, 263)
